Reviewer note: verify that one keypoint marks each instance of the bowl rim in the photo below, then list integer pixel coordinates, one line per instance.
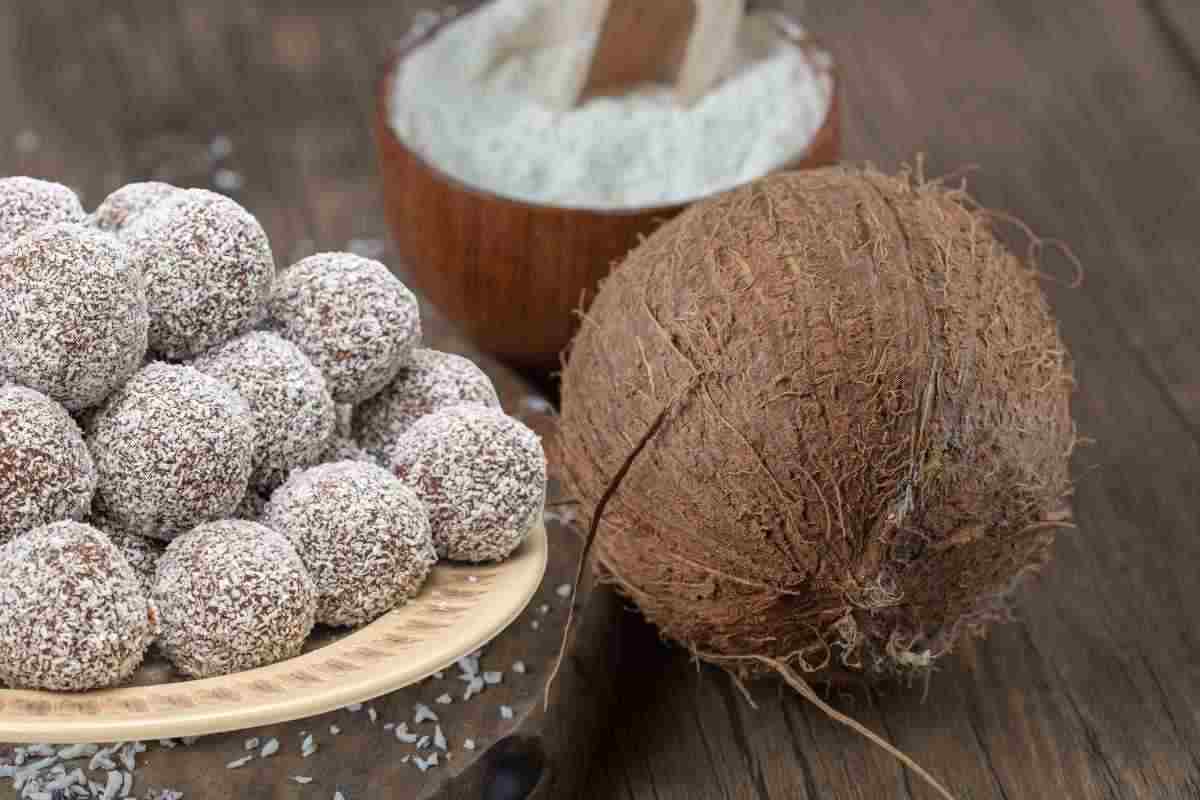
(423, 34)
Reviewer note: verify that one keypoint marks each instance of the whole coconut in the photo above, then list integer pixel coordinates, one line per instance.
(858, 402)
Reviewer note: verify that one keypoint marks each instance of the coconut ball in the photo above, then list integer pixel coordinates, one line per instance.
(124, 206)
(341, 448)
(429, 380)
(293, 412)
(173, 448)
(73, 615)
(481, 474)
(232, 595)
(140, 552)
(351, 316)
(363, 535)
(75, 317)
(46, 471)
(27, 204)
(209, 270)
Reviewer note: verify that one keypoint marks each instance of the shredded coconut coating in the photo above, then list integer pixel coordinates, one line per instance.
(121, 208)
(363, 535)
(481, 475)
(173, 448)
(73, 615)
(209, 270)
(293, 413)
(351, 316)
(73, 314)
(429, 381)
(140, 552)
(233, 595)
(27, 204)
(341, 448)
(46, 471)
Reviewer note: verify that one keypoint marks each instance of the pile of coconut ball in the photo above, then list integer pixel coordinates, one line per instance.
(200, 454)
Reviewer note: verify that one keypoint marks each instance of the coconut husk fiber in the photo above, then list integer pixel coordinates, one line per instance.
(859, 407)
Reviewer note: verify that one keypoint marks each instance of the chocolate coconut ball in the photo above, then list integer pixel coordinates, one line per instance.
(27, 204)
(209, 270)
(73, 615)
(430, 380)
(140, 552)
(293, 412)
(362, 534)
(232, 595)
(481, 475)
(124, 206)
(46, 471)
(350, 315)
(341, 448)
(73, 315)
(173, 448)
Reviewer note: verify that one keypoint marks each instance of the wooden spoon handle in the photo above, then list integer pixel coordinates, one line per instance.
(639, 42)
(710, 47)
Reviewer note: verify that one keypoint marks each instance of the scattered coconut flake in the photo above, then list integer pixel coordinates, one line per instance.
(40, 750)
(302, 779)
(188, 741)
(240, 762)
(423, 742)
(339, 796)
(354, 707)
(444, 699)
(493, 678)
(74, 751)
(308, 746)
(403, 735)
(506, 712)
(373, 714)
(544, 609)
(518, 667)
(423, 713)
(387, 726)
(439, 738)
(473, 688)
(250, 743)
(139, 747)
(101, 761)
(535, 624)
(334, 730)
(220, 147)
(127, 758)
(405, 759)
(227, 180)
(270, 748)
(424, 764)
(439, 675)
(126, 783)
(563, 591)
(167, 743)
(112, 786)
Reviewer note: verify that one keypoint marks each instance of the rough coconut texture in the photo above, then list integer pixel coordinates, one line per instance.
(27, 204)
(73, 314)
(232, 596)
(252, 505)
(208, 267)
(73, 615)
(429, 381)
(351, 316)
(293, 412)
(46, 471)
(481, 474)
(173, 448)
(140, 552)
(341, 448)
(865, 428)
(363, 535)
(124, 206)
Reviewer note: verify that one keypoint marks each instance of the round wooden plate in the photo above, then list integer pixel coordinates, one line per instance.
(461, 608)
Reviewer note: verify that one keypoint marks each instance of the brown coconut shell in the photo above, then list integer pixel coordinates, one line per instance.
(865, 424)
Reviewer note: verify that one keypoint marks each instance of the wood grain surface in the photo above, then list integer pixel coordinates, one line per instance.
(1081, 118)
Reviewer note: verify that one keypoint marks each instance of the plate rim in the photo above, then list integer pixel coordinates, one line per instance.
(361, 666)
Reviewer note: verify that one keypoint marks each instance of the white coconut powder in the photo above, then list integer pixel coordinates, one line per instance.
(470, 102)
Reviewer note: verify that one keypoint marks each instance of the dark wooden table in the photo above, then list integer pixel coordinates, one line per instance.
(1082, 118)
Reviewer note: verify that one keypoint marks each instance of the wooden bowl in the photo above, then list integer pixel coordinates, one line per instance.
(514, 274)
(460, 608)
